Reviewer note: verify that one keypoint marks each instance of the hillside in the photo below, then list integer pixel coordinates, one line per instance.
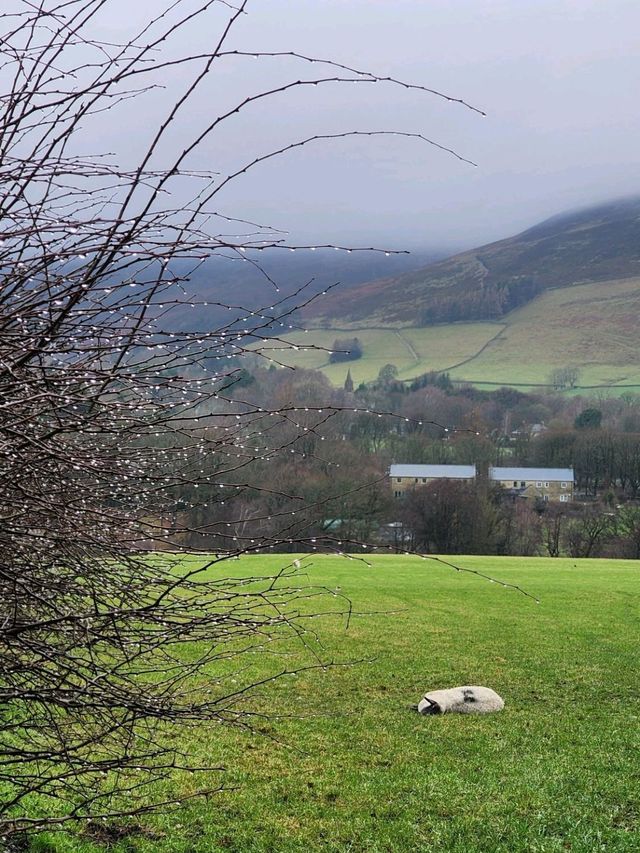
(590, 326)
(598, 244)
(412, 351)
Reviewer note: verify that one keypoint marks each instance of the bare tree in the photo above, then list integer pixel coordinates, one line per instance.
(627, 528)
(553, 522)
(111, 422)
(564, 377)
(587, 533)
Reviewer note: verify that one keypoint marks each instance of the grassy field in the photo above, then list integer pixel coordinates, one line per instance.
(355, 769)
(591, 326)
(413, 351)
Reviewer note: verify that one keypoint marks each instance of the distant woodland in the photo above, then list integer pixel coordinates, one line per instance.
(487, 302)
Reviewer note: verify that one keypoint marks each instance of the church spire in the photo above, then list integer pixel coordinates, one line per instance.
(348, 382)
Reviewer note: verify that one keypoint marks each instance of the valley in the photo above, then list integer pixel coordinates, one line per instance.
(563, 294)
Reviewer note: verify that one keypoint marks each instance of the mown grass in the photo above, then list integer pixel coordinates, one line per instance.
(356, 769)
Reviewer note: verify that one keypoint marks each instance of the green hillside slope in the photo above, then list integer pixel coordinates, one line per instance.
(592, 327)
(412, 351)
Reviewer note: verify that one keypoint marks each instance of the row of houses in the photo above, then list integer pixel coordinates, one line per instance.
(544, 484)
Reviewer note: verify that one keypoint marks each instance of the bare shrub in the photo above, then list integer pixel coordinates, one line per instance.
(112, 422)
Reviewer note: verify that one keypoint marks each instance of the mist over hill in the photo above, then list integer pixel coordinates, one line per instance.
(249, 281)
(596, 244)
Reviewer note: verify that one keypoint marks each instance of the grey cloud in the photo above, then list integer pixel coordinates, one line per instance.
(557, 78)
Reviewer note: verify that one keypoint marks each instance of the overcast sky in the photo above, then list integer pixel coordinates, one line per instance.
(558, 79)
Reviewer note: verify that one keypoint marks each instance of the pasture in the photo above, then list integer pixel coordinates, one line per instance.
(589, 326)
(412, 350)
(345, 764)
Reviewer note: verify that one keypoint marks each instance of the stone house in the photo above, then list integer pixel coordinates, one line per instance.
(404, 477)
(545, 484)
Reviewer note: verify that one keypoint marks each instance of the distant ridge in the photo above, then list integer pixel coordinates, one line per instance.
(617, 210)
(595, 244)
(238, 280)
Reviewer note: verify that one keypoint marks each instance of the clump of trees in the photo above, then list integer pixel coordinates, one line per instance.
(345, 349)
(467, 303)
(590, 418)
(447, 517)
(564, 377)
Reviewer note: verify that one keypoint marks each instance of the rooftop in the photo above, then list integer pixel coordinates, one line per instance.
(539, 474)
(434, 472)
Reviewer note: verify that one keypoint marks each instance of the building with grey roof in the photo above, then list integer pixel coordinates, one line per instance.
(405, 477)
(545, 484)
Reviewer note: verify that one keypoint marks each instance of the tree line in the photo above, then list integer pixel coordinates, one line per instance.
(470, 302)
(446, 517)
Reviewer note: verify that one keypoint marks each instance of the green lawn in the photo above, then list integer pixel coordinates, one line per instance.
(355, 769)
